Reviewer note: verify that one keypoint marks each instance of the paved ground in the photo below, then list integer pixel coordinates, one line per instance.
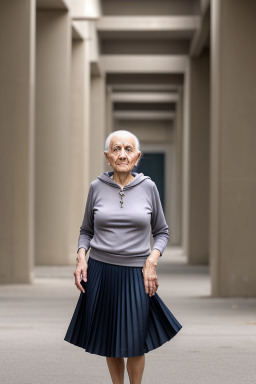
(217, 344)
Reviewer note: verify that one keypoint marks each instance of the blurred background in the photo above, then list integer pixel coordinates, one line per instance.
(181, 75)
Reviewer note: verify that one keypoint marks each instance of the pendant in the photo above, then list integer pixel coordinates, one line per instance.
(121, 193)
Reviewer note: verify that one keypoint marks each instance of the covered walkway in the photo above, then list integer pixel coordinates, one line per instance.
(181, 76)
(217, 344)
(178, 74)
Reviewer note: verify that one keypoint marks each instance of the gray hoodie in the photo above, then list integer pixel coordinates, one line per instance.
(117, 228)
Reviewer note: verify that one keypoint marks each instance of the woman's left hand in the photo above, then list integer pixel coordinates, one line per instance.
(150, 276)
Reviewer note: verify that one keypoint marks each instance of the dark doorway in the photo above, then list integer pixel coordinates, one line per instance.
(153, 165)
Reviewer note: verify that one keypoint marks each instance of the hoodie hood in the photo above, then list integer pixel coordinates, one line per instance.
(138, 178)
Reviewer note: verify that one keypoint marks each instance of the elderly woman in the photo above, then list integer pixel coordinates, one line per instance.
(118, 313)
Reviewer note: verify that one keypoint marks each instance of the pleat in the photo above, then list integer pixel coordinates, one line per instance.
(96, 340)
(117, 345)
(162, 325)
(112, 322)
(115, 317)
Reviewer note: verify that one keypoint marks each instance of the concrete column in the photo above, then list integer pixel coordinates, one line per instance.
(109, 125)
(109, 112)
(185, 161)
(79, 174)
(177, 235)
(98, 121)
(52, 136)
(198, 228)
(17, 79)
(233, 155)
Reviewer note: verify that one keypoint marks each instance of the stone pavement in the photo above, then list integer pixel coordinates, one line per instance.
(217, 344)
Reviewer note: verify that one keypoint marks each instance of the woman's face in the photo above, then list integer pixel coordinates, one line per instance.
(122, 154)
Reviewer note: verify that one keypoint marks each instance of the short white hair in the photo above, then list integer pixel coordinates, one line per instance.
(120, 131)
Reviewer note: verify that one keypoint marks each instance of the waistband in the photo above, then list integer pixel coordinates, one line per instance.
(129, 261)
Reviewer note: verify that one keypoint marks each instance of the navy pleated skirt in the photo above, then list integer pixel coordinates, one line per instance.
(115, 317)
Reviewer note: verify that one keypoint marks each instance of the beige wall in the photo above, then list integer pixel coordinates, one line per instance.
(198, 232)
(78, 140)
(177, 168)
(17, 87)
(185, 161)
(233, 155)
(98, 122)
(52, 136)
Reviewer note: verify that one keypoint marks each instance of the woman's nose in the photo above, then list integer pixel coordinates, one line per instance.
(122, 153)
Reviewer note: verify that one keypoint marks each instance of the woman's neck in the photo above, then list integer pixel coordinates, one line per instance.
(122, 178)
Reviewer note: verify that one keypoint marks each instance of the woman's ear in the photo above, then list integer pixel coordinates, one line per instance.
(106, 155)
(139, 156)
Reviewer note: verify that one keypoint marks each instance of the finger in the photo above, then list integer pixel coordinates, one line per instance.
(146, 285)
(84, 274)
(77, 281)
(155, 285)
(77, 273)
(151, 289)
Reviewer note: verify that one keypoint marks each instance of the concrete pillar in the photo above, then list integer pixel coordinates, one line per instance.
(233, 155)
(17, 45)
(178, 139)
(109, 124)
(98, 122)
(79, 174)
(198, 228)
(52, 136)
(185, 161)
(109, 112)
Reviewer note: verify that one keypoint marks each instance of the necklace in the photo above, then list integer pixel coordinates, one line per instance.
(121, 193)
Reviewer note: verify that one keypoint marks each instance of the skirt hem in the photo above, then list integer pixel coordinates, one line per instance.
(125, 355)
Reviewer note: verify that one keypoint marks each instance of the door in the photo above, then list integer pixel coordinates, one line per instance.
(153, 165)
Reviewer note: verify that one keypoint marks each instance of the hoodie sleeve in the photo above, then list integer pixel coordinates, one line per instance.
(160, 230)
(87, 227)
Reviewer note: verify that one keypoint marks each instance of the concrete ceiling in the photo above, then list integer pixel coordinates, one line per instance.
(151, 83)
(150, 7)
(53, 4)
(144, 49)
(145, 106)
(144, 97)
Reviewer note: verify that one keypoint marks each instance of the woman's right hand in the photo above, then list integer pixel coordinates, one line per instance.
(81, 270)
